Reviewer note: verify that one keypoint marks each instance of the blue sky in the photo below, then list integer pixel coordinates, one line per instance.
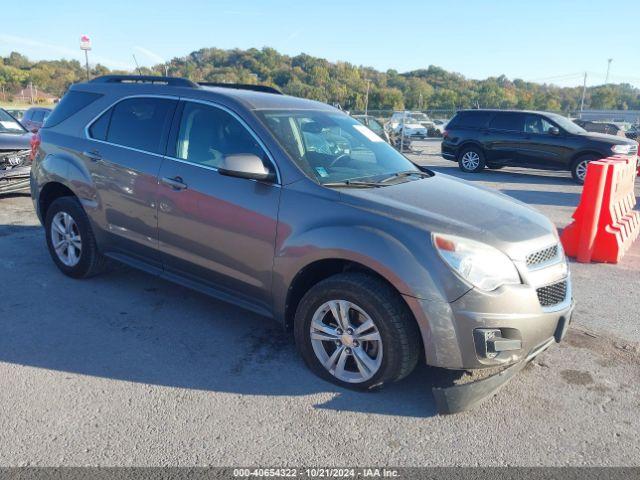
(538, 40)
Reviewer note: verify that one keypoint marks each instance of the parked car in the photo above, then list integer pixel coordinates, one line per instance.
(16, 113)
(15, 155)
(417, 124)
(439, 126)
(374, 125)
(34, 118)
(600, 127)
(492, 138)
(632, 132)
(407, 127)
(370, 260)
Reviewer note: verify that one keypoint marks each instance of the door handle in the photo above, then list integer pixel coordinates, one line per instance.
(176, 183)
(93, 155)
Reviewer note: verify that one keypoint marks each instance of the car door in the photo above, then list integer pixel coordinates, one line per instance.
(540, 148)
(216, 232)
(124, 154)
(503, 138)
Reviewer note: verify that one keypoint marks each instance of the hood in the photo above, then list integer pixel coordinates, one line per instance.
(15, 141)
(604, 137)
(445, 204)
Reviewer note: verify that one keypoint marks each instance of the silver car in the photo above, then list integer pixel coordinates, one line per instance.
(294, 210)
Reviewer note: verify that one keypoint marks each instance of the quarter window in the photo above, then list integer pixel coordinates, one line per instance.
(98, 129)
(140, 123)
(207, 134)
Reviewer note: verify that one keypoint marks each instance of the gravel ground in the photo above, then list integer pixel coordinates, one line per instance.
(127, 369)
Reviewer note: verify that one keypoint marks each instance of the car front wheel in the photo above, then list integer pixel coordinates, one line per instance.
(471, 160)
(354, 330)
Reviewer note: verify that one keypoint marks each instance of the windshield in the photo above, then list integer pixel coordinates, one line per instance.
(420, 117)
(8, 124)
(566, 124)
(333, 147)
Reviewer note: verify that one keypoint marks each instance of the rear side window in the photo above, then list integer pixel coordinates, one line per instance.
(471, 119)
(71, 103)
(38, 116)
(508, 121)
(139, 123)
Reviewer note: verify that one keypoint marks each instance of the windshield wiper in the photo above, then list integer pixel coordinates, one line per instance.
(352, 184)
(407, 173)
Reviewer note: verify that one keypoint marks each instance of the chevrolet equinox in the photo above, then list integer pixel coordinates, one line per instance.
(294, 210)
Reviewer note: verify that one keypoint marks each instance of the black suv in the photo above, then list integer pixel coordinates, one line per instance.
(497, 138)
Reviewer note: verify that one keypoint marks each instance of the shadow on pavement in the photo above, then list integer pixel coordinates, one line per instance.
(130, 326)
(543, 197)
(507, 175)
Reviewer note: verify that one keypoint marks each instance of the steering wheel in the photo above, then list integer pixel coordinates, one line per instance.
(338, 159)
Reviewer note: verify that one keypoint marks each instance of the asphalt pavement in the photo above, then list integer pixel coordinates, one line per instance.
(126, 369)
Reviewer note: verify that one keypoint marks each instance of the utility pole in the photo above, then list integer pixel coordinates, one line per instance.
(85, 44)
(366, 99)
(86, 61)
(404, 118)
(584, 91)
(608, 69)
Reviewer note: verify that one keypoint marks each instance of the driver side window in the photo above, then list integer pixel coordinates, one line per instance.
(208, 134)
(537, 124)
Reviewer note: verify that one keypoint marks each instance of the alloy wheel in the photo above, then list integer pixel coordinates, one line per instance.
(346, 341)
(581, 170)
(65, 238)
(470, 160)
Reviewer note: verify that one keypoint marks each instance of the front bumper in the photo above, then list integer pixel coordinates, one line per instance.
(448, 328)
(458, 398)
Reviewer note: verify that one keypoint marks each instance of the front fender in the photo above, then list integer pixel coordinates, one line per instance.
(311, 229)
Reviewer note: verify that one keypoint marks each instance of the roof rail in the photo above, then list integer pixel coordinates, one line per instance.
(243, 86)
(172, 81)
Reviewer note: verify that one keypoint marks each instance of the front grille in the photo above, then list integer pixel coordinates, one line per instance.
(633, 150)
(542, 256)
(552, 294)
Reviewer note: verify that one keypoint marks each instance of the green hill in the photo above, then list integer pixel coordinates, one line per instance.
(340, 82)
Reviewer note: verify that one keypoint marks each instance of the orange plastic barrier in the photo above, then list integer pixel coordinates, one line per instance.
(605, 224)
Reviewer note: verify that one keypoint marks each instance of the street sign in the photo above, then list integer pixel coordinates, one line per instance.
(85, 42)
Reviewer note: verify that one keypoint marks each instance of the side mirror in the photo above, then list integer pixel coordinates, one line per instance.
(554, 131)
(245, 165)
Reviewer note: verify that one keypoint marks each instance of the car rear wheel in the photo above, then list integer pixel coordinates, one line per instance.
(471, 160)
(579, 168)
(354, 330)
(71, 242)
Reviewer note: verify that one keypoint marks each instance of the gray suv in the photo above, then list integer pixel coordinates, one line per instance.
(294, 210)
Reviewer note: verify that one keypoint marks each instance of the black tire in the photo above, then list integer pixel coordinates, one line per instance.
(472, 150)
(576, 167)
(91, 261)
(396, 325)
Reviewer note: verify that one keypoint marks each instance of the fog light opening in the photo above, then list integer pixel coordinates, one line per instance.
(490, 342)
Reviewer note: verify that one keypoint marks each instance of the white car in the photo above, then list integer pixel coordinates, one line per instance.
(416, 124)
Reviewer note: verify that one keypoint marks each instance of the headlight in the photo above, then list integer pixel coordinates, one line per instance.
(483, 266)
(623, 149)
